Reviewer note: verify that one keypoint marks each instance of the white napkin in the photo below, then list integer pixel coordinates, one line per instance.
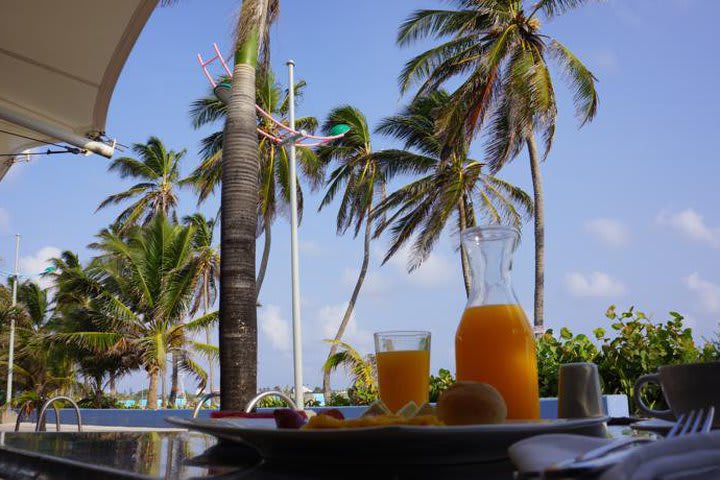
(693, 457)
(535, 454)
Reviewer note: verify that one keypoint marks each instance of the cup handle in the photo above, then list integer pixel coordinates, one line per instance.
(650, 378)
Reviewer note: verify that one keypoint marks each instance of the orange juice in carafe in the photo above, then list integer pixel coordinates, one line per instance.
(494, 342)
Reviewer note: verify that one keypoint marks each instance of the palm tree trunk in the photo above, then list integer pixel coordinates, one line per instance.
(174, 380)
(163, 386)
(539, 219)
(113, 385)
(265, 257)
(465, 263)
(152, 395)
(238, 220)
(206, 300)
(327, 390)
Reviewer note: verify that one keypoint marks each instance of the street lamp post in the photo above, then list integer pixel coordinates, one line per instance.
(7, 414)
(294, 260)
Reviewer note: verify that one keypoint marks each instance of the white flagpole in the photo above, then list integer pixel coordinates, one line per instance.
(294, 261)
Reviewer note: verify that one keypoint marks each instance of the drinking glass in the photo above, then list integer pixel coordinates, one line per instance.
(403, 366)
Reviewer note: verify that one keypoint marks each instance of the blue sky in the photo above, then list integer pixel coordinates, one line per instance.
(630, 198)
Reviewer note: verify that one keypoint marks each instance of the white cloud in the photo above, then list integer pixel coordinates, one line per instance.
(32, 265)
(692, 225)
(708, 293)
(436, 271)
(4, 221)
(274, 327)
(608, 231)
(595, 284)
(328, 320)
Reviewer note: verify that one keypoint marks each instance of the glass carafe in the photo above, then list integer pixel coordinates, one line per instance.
(494, 341)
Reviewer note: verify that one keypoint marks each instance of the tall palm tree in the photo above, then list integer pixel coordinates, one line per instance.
(208, 270)
(362, 180)
(238, 214)
(498, 51)
(274, 193)
(158, 170)
(141, 290)
(452, 184)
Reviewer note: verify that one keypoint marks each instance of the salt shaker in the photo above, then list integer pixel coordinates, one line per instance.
(579, 393)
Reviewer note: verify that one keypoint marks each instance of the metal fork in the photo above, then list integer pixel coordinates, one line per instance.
(601, 458)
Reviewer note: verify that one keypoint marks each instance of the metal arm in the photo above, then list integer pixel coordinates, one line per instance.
(57, 412)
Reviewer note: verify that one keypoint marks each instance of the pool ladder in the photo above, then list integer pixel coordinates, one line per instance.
(43, 411)
(251, 404)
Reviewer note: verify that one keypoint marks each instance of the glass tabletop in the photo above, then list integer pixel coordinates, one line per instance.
(147, 454)
(184, 455)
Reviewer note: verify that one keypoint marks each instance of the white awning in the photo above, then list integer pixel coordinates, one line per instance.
(59, 62)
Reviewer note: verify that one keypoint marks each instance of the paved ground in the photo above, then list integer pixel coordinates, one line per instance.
(72, 427)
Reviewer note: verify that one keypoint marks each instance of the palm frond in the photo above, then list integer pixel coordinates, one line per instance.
(581, 80)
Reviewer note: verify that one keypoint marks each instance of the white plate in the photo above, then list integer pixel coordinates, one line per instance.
(385, 445)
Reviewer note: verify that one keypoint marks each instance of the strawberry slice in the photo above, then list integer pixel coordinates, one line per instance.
(288, 418)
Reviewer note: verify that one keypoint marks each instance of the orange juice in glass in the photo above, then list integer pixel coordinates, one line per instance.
(494, 342)
(403, 366)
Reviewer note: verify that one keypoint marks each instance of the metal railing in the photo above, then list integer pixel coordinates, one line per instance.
(270, 393)
(251, 404)
(202, 402)
(45, 406)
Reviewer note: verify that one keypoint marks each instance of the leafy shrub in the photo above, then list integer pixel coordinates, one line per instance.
(635, 346)
(338, 400)
(553, 352)
(439, 383)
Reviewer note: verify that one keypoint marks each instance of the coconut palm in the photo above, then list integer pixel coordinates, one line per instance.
(499, 53)
(141, 289)
(359, 179)
(72, 313)
(238, 210)
(451, 185)
(362, 370)
(158, 170)
(208, 265)
(274, 194)
(41, 370)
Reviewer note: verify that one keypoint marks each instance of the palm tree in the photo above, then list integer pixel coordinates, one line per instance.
(362, 179)
(451, 185)
(158, 170)
(500, 54)
(140, 290)
(41, 369)
(362, 370)
(208, 265)
(72, 313)
(274, 159)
